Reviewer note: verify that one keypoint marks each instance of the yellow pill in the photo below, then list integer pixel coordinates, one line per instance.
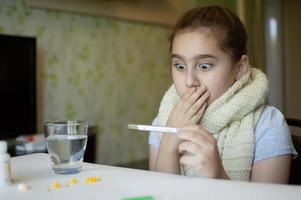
(91, 180)
(88, 180)
(56, 185)
(73, 181)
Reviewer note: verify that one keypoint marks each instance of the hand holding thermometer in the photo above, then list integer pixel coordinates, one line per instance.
(162, 129)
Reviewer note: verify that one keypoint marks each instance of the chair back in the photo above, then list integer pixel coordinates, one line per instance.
(295, 173)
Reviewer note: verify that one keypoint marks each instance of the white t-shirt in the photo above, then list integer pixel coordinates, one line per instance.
(272, 135)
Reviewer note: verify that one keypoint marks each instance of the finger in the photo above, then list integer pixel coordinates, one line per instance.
(197, 117)
(184, 98)
(201, 137)
(188, 159)
(198, 104)
(194, 98)
(189, 147)
(187, 94)
(192, 128)
(198, 136)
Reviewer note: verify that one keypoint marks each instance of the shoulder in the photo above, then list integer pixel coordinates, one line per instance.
(272, 135)
(271, 117)
(271, 123)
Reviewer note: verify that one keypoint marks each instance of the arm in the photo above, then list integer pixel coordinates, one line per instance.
(203, 155)
(170, 165)
(272, 138)
(168, 156)
(152, 157)
(273, 170)
(165, 165)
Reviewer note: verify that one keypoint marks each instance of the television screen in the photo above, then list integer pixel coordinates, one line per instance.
(17, 86)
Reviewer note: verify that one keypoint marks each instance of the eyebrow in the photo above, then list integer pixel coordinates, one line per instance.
(199, 56)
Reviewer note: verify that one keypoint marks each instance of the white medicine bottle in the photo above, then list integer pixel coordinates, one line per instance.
(5, 168)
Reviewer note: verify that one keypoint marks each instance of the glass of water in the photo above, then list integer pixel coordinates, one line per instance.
(66, 143)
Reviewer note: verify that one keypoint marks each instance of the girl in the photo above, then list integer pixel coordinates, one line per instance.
(217, 102)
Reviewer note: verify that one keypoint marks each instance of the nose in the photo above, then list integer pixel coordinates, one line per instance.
(191, 79)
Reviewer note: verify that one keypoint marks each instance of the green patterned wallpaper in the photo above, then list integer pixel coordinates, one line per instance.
(109, 72)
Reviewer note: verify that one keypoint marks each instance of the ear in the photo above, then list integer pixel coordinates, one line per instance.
(242, 67)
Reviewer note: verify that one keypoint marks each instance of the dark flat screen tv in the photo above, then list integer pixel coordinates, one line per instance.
(17, 86)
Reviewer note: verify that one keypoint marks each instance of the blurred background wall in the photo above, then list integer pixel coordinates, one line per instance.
(292, 60)
(106, 71)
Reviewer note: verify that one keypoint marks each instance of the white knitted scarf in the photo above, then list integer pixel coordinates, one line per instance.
(231, 119)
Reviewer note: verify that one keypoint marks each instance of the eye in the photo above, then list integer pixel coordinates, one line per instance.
(179, 67)
(205, 66)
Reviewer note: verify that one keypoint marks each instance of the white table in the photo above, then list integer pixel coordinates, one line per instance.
(34, 170)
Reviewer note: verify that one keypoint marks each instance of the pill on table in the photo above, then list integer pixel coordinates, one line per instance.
(56, 185)
(91, 179)
(23, 187)
(73, 181)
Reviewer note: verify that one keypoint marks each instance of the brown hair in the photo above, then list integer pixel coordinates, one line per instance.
(227, 25)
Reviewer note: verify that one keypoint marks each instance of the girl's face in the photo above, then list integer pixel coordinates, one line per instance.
(198, 60)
